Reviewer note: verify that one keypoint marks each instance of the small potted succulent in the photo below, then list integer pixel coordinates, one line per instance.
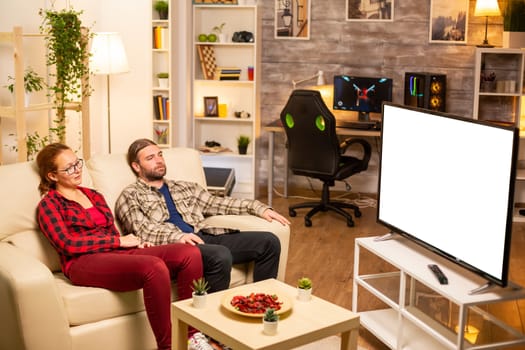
(163, 79)
(304, 289)
(270, 322)
(242, 144)
(32, 83)
(162, 7)
(200, 291)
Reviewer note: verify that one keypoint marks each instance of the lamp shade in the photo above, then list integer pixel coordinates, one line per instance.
(487, 8)
(107, 54)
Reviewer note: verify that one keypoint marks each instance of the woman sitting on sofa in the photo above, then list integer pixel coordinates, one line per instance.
(80, 226)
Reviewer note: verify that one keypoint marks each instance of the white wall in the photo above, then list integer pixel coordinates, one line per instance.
(130, 92)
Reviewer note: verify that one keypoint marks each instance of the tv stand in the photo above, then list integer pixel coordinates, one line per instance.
(400, 321)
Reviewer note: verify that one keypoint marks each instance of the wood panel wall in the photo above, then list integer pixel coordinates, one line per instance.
(337, 46)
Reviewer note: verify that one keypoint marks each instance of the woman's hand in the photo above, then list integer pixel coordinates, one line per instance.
(129, 241)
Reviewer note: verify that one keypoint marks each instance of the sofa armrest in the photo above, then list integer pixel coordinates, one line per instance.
(32, 314)
(254, 223)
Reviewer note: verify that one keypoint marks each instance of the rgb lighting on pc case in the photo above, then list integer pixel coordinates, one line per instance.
(426, 90)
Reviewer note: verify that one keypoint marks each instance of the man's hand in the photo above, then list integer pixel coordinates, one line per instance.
(271, 215)
(191, 238)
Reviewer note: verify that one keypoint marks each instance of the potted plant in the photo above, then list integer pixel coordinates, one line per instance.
(242, 143)
(32, 83)
(68, 57)
(162, 7)
(163, 79)
(304, 289)
(200, 291)
(270, 322)
(218, 29)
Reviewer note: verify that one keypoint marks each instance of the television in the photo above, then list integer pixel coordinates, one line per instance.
(364, 95)
(447, 183)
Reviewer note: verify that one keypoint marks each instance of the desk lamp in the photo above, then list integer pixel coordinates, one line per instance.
(325, 90)
(108, 57)
(486, 8)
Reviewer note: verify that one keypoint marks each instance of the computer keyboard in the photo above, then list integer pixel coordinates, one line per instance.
(354, 124)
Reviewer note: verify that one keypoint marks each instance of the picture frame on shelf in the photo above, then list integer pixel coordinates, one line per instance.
(369, 10)
(211, 106)
(448, 21)
(292, 19)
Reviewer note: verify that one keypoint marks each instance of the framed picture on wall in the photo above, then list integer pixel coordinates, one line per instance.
(369, 10)
(292, 19)
(211, 106)
(448, 21)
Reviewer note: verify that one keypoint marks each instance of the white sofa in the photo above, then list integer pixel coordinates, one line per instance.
(39, 308)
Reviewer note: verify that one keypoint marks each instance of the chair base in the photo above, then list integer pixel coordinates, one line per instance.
(335, 206)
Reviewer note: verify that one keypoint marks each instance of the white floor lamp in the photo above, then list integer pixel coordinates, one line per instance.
(108, 57)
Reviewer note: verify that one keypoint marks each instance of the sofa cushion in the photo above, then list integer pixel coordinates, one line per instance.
(85, 305)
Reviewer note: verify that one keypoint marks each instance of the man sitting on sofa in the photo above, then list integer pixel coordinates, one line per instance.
(163, 211)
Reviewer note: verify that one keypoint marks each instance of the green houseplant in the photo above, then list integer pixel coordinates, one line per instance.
(162, 7)
(242, 143)
(200, 290)
(32, 81)
(270, 321)
(304, 289)
(163, 79)
(67, 52)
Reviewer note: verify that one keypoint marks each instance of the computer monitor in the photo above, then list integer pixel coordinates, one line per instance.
(361, 94)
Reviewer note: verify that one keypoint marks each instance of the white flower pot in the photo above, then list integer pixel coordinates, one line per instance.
(223, 38)
(304, 294)
(163, 83)
(270, 328)
(199, 301)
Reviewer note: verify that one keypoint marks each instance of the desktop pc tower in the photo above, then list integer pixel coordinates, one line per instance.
(426, 90)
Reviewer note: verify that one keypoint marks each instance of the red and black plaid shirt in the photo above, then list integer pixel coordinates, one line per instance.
(71, 229)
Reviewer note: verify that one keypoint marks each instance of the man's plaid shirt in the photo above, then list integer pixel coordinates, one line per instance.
(141, 210)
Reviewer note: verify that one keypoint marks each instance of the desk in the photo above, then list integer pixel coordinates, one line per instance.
(276, 127)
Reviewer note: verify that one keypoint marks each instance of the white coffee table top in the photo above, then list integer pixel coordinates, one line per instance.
(304, 323)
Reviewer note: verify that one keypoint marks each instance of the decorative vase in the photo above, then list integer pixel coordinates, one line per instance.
(222, 38)
(270, 327)
(304, 294)
(243, 149)
(199, 301)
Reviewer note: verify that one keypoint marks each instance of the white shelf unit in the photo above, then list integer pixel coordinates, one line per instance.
(503, 99)
(401, 323)
(162, 63)
(238, 95)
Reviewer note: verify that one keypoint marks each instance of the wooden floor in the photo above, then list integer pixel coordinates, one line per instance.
(325, 252)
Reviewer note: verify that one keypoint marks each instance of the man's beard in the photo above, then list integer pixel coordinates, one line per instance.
(155, 174)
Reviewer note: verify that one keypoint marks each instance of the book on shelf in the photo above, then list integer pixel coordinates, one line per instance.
(160, 37)
(227, 73)
(161, 107)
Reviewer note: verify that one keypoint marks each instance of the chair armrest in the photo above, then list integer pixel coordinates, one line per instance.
(365, 145)
(32, 314)
(254, 223)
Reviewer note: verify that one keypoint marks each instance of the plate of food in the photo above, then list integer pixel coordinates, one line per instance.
(254, 304)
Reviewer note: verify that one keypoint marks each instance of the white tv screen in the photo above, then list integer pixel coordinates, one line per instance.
(448, 183)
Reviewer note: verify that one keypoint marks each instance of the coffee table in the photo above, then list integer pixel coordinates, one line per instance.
(306, 322)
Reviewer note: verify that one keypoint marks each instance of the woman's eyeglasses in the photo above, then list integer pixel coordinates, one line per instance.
(73, 168)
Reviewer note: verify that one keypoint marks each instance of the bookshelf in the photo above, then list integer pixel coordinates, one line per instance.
(162, 88)
(236, 90)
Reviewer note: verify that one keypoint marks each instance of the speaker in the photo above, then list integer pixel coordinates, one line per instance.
(426, 90)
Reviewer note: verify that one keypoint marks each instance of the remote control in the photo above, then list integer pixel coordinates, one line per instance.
(438, 273)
